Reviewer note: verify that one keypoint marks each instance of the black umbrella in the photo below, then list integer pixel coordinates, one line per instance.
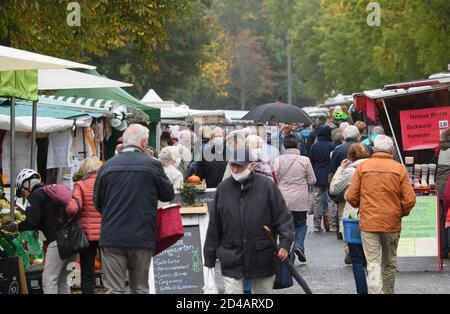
(279, 112)
(287, 263)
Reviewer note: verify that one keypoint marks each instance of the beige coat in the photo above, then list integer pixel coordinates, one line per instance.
(294, 174)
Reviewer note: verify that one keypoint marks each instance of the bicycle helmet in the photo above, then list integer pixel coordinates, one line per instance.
(25, 175)
(340, 115)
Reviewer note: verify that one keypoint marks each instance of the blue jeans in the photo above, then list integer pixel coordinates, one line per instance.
(300, 229)
(247, 286)
(359, 267)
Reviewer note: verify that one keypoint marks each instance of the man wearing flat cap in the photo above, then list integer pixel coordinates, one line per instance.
(243, 204)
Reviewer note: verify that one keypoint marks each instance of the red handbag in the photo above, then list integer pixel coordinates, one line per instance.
(169, 229)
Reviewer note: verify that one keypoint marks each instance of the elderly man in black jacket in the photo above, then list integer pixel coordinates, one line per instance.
(244, 203)
(127, 191)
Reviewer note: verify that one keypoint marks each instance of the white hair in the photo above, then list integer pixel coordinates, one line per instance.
(344, 125)
(351, 132)
(384, 143)
(168, 154)
(254, 140)
(378, 130)
(135, 134)
(249, 131)
(184, 137)
(217, 132)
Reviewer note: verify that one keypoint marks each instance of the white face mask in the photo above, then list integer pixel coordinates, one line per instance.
(177, 163)
(241, 177)
(218, 141)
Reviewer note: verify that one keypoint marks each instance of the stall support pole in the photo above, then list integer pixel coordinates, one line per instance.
(33, 134)
(12, 157)
(84, 143)
(393, 133)
(158, 137)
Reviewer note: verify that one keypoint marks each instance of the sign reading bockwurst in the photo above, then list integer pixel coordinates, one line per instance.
(421, 129)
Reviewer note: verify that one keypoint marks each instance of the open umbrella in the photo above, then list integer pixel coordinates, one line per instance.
(279, 112)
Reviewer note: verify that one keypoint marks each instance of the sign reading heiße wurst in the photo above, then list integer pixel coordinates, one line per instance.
(421, 129)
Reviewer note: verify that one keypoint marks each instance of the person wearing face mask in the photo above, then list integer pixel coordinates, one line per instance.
(243, 204)
(213, 163)
(126, 193)
(170, 160)
(262, 163)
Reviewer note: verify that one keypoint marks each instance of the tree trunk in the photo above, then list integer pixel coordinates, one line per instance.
(242, 101)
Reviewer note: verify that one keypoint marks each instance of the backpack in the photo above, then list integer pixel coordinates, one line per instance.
(58, 193)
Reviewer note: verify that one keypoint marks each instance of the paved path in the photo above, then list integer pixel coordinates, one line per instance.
(326, 272)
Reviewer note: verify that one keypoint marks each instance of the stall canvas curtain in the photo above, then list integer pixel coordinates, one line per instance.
(21, 84)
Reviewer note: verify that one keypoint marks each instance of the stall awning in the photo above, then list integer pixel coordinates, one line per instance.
(114, 94)
(12, 59)
(101, 105)
(48, 119)
(58, 79)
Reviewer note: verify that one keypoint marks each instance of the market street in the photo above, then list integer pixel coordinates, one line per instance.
(326, 273)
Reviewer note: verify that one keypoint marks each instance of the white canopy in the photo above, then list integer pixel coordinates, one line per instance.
(43, 124)
(12, 59)
(151, 97)
(68, 79)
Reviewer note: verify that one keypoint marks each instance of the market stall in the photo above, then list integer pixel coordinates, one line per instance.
(120, 96)
(19, 79)
(414, 114)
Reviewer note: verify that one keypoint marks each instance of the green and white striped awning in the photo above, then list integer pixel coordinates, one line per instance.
(103, 105)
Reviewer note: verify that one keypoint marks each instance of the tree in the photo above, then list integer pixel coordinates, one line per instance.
(250, 72)
(41, 26)
(176, 64)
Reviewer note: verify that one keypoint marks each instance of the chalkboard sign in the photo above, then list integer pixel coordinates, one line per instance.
(12, 276)
(179, 269)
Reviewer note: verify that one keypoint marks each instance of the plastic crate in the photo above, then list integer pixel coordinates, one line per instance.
(352, 233)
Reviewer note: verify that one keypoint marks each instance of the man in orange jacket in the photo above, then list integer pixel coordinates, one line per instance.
(384, 195)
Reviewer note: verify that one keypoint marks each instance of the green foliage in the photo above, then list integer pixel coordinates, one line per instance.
(174, 64)
(188, 193)
(106, 25)
(336, 51)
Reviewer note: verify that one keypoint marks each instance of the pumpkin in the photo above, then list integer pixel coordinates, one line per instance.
(194, 180)
(98, 264)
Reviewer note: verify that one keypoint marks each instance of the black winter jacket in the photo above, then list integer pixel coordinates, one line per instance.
(43, 215)
(235, 234)
(212, 166)
(126, 193)
(320, 155)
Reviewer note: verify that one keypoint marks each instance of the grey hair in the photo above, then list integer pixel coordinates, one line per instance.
(217, 132)
(351, 132)
(184, 137)
(384, 143)
(134, 135)
(168, 154)
(378, 130)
